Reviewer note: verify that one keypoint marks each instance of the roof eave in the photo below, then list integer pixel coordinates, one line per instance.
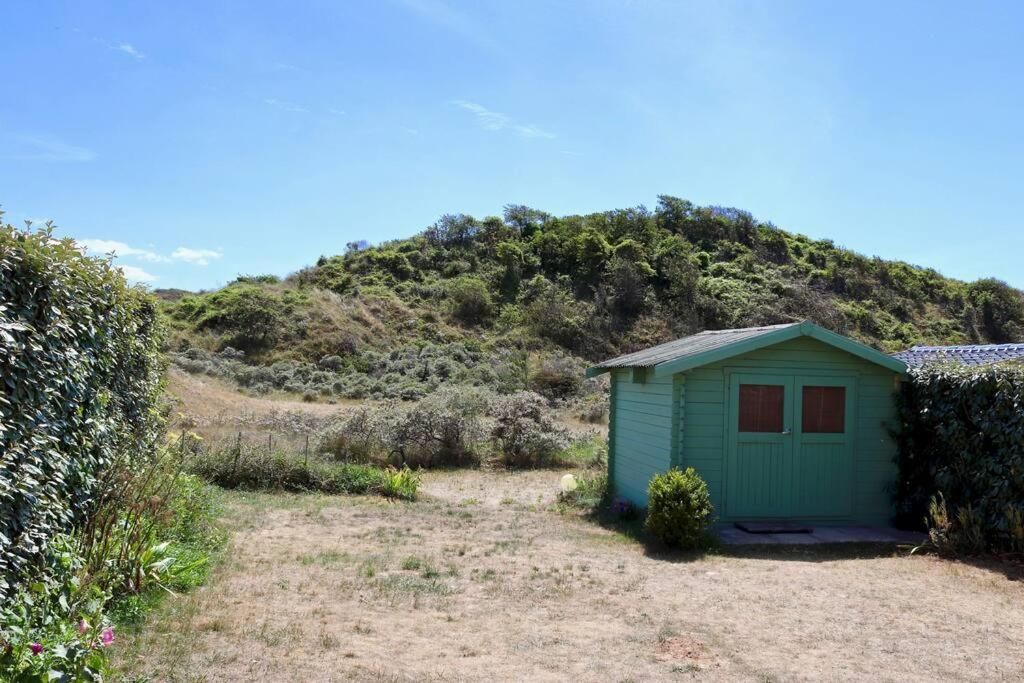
(735, 349)
(854, 347)
(804, 329)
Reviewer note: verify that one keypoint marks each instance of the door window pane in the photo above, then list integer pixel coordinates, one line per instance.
(824, 410)
(761, 407)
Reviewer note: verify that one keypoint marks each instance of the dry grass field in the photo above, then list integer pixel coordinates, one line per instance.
(486, 579)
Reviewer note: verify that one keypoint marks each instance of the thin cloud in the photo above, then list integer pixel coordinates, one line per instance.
(198, 257)
(103, 247)
(495, 120)
(128, 49)
(136, 274)
(532, 132)
(123, 48)
(286, 106)
(47, 148)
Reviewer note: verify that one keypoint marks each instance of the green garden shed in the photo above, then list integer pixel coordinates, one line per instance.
(782, 422)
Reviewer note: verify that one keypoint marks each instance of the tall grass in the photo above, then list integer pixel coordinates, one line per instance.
(247, 466)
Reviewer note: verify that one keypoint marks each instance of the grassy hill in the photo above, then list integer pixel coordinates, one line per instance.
(527, 298)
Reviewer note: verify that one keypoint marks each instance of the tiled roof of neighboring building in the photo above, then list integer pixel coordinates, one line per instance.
(979, 354)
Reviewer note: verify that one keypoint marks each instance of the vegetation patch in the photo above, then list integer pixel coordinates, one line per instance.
(961, 457)
(259, 468)
(679, 511)
(97, 519)
(525, 300)
(455, 427)
(81, 369)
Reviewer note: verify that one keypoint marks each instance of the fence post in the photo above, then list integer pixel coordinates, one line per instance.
(238, 454)
(270, 442)
(305, 452)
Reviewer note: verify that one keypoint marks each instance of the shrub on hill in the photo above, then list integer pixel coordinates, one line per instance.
(409, 372)
(588, 285)
(471, 300)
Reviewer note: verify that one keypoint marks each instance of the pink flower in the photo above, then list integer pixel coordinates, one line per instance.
(107, 636)
(82, 626)
(36, 648)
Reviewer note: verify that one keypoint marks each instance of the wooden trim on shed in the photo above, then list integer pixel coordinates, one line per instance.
(804, 329)
(611, 436)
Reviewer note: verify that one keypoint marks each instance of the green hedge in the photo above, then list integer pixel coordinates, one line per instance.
(79, 380)
(962, 435)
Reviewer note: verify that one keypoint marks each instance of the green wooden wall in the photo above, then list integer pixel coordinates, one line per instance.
(681, 421)
(642, 422)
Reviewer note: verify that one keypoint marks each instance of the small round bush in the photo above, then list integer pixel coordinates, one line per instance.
(471, 300)
(679, 509)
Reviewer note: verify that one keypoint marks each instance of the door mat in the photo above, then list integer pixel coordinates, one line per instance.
(781, 527)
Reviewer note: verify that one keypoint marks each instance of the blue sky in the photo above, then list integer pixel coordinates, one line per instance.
(208, 139)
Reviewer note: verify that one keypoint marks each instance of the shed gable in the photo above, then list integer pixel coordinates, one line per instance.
(705, 418)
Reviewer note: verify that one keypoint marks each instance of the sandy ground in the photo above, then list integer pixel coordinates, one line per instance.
(484, 579)
(212, 400)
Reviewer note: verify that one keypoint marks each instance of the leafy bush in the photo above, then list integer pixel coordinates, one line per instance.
(679, 510)
(81, 368)
(122, 542)
(1001, 308)
(557, 377)
(524, 433)
(248, 312)
(471, 300)
(590, 492)
(961, 442)
(442, 430)
(959, 534)
(55, 623)
(358, 436)
(401, 483)
(593, 409)
(59, 625)
(553, 313)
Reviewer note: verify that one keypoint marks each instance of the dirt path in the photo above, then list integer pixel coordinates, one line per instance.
(483, 581)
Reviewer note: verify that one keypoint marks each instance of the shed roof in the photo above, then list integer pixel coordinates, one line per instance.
(977, 354)
(715, 345)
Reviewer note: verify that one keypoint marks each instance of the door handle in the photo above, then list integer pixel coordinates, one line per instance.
(787, 431)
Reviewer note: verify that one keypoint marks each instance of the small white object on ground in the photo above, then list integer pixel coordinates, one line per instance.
(568, 483)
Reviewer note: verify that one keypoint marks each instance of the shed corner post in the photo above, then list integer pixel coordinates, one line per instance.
(612, 398)
(678, 415)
